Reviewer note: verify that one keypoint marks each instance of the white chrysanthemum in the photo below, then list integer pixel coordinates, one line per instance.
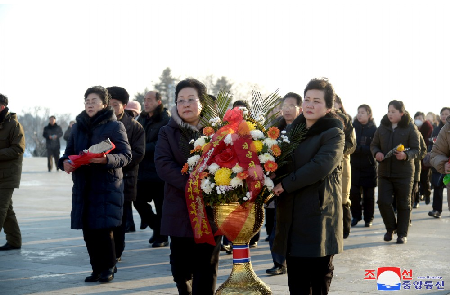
(283, 132)
(269, 183)
(235, 182)
(192, 141)
(244, 110)
(193, 160)
(263, 158)
(257, 134)
(213, 168)
(215, 121)
(218, 191)
(200, 141)
(237, 169)
(270, 142)
(206, 186)
(260, 118)
(228, 139)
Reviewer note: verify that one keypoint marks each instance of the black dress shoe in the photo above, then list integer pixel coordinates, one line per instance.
(368, 224)
(224, 248)
(354, 222)
(276, 270)
(160, 244)
(346, 234)
(143, 225)
(230, 251)
(254, 245)
(267, 239)
(434, 213)
(130, 229)
(401, 239)
(93, 278)
(416, 205)
(107, 276)
(388, 236)
(7, 247)
(427, 199)
(152, 239)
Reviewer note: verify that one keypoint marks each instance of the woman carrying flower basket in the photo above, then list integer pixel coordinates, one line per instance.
(194, 266)
(309, 208)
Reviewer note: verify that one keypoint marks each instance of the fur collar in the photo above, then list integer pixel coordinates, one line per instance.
(404, 122)
(176, 117)
(328, 121)
(87, 124)
(356, 123)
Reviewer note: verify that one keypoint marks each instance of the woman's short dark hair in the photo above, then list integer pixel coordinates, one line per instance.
(294, 95)
(322, 84)
(338, 100)
(100, 91)
(191, 83)
(445, 108)
(398, 105)
(119, 93)
(368, 110)
(241, 103)
(419, 113)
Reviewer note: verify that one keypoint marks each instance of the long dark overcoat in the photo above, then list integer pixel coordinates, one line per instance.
(97, 193)
(170, 157)
(364, 166)
(309, 211)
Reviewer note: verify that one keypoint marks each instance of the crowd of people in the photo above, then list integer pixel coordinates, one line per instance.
(327, 189)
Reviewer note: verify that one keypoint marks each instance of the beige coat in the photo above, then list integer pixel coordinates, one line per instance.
(441, 152)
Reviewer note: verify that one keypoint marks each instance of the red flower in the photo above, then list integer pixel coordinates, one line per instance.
(270, 166)
(273, 133)
(208, 131)
(233, 115)
(242, 175)
(197, 148)
(227, 158)
(276, 151)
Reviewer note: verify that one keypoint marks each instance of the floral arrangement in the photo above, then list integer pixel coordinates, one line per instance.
(235, 156)
(233, 160)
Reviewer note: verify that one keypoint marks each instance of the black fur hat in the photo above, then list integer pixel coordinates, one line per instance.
(119, 93)
(3, 100)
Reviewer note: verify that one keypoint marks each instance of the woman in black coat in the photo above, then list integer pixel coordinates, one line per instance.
(194, 266)
(364, 168)
(395, 173)
(97, 193)
(309, 208)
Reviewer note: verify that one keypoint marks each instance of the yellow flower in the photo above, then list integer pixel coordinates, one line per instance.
(258, 146)
(401, 147)
(251, 126)
(222, 176)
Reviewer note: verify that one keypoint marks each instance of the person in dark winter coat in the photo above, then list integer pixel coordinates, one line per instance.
(291, 109)
(150, 186)
(309, 208)
(426, 129)
(349, 148)
(68, 131)
(436, 177)
(97, 193)
(52, 133)
(194, 266)
(12, 146)
(136, 139)
(364, 168)
(396, 173)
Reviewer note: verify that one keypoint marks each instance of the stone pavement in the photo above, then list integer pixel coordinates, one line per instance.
(53, 259)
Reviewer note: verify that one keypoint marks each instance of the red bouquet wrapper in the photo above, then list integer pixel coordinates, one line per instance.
(95, 151)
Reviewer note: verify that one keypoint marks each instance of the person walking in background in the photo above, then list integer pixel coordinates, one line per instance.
(440, 154)
(364, 168)
(436, 177)
(136, 139)
(426, 129)
(349, 148)
(395, 173)
(150, 187)
(68, 131)
(97, 193)
(433, 119)
(52, 133)
(309, 207)
(12, 146)
(291, 109)
(194, 266)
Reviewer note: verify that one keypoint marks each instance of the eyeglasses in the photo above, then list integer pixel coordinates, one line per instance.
(189, 101)
(289, 106)
(92, 102)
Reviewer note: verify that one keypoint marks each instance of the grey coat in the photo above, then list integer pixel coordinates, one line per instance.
(309, 211)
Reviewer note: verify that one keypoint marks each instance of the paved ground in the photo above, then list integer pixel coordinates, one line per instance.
(53, 259)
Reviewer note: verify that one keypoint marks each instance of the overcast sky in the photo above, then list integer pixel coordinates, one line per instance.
(372, 51)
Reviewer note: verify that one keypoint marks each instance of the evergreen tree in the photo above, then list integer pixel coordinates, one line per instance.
(139, 97)
(166, 87)
(223, 84)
